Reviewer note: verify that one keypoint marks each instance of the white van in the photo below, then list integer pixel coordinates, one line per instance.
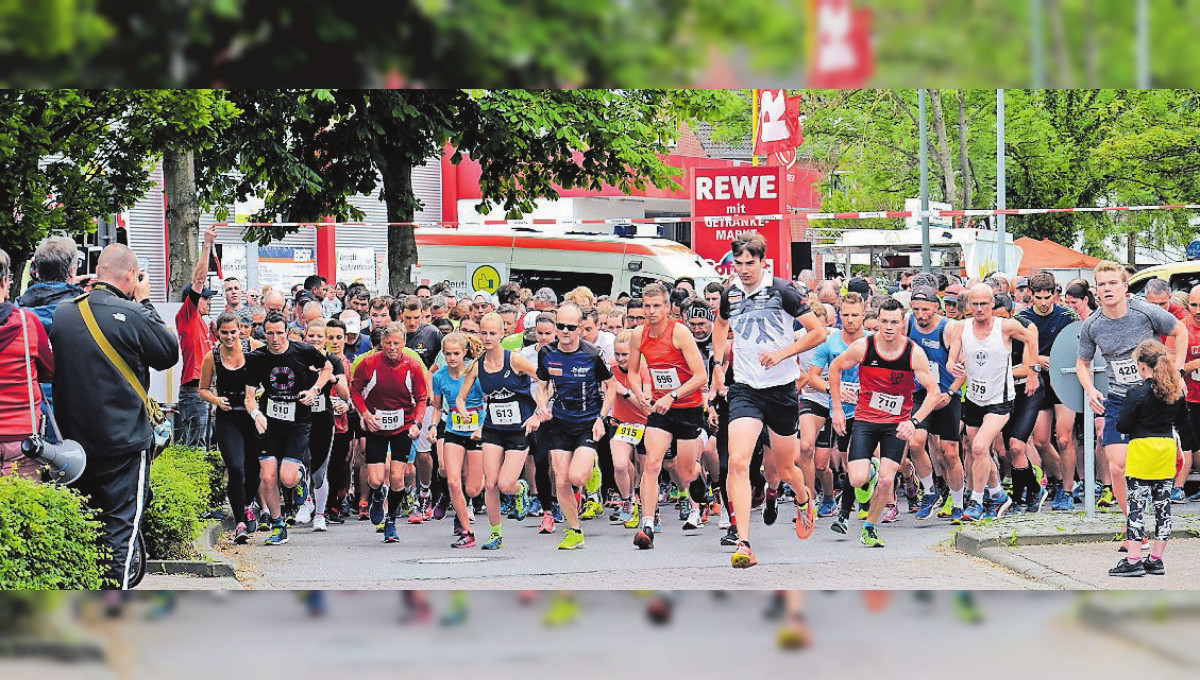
(481, 259)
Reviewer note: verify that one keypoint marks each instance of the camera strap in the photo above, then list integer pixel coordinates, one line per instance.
(29, 378)
(89, 320)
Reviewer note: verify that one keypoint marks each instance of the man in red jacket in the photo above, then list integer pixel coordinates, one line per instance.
(389, 391)
(17, 327)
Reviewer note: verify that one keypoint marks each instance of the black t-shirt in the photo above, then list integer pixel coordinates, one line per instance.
(322, 408)
(427, 342)
(283, 377)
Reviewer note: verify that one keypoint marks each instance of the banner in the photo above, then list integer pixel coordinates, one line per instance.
(282, 267)
(729, 202)
(778, 124)
(357, 264)
(841, 49)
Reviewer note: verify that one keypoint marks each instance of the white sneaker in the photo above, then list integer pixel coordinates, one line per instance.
(319, 522)
(723, 523)
(693, 520)
(304, 514)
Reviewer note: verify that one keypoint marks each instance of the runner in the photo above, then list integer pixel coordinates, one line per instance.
(389, 391)
(761, 311)
(504, 378)
(890, 366)
(1190, 437)
(291, 374)
(1028, 494)
(577, 376)
(546, 501)
(344, 431)
(984, 364)
(426, 341)
(675, 401)
(459, 436)
(331, 403)
(929, 330)
(1121, 324)
(628, 428)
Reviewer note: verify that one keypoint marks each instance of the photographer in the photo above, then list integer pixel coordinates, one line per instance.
(18, 327)
(97, 407)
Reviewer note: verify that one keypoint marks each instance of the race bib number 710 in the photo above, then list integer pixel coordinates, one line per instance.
(887, 403)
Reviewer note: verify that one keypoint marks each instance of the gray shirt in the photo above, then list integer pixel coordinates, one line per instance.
(1117, 338)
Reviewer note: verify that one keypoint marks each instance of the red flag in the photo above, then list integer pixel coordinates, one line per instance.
(778, 123)
(842, 55)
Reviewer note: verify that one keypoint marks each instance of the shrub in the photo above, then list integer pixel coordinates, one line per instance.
(180, 483)
(217, 485)
(49, 540)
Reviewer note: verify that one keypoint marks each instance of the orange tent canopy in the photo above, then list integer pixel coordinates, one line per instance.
(1046, 254)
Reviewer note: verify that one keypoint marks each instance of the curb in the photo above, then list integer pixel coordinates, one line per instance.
(60, 651)
(1028, 568)
(1129, 622)
(212, 565)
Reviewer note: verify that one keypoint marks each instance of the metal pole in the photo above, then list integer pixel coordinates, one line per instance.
(1000, 203)
(923, 155)
(1089, 459)
(1035, 19)
(1143, 45)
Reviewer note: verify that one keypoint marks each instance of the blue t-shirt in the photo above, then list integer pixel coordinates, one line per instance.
(826, 352)
(936, 350)
(352, 351)
(578, 379)
(447, 388)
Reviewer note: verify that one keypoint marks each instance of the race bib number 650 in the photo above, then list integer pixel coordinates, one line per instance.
(390, 420)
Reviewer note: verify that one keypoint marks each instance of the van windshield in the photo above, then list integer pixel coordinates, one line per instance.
(679, 265)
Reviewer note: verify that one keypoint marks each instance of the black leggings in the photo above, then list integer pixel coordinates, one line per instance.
(541, 469)
(1157, 491)
(237, 439)
(320, 442)
(339, 470)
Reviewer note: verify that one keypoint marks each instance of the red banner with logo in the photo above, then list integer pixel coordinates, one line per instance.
(841, 50)
(778, 123)
(726, 198)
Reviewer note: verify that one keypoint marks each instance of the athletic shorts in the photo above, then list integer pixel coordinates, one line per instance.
(827, 437)
(1050, 398)
(681, 423)
(1113, 404)
(457, 439)
(507, 440)
(1024, 414)
(610, 431)
(972, 413)
(942, 422)
(379, 443)
(564, 435)
(866, 437)
(1188, 439)
(776, 407)
(290, 443)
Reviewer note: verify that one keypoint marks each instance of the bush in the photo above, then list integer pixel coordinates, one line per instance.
(218, 489)
(49, 539)
(180, 483)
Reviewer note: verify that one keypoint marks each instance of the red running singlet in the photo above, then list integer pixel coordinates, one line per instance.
(885, 388)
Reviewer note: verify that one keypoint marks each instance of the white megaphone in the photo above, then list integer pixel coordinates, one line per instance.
(65, 459)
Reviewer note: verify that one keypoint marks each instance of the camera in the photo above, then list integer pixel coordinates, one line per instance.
(66, 459)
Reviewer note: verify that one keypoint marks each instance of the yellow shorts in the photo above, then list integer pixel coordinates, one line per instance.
(1151, 458)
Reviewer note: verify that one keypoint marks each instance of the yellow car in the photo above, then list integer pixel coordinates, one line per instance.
(1179, 275)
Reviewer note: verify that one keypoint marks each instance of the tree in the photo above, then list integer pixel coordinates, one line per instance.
(306, 152)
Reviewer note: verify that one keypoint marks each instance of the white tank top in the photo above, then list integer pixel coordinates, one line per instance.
(989, 367)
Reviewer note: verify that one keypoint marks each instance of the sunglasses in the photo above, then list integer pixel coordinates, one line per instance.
(569, 327)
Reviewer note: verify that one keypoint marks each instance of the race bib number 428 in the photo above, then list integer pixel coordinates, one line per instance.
(1125, 371)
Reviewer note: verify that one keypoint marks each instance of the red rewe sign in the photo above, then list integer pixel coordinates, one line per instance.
(726, 198)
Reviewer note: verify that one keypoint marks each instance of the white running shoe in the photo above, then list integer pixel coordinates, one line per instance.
(304, 514)
(693, 519)
(319, 522)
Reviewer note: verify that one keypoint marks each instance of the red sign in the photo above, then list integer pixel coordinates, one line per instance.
(726, 198)
(842, 49)
(778, 123)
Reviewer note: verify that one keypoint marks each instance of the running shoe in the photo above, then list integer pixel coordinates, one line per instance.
(494, 542)
(1001, 504)
(251, 520)
(593, 482)
(946, 509)
(374, 506)
(406, 502)
(624, 512)
(415, 516)
(724, 522)
(966, 609)
(870, 537)
(1154, 567)
(864, 495)
(956, 516)
(278, 534)
(827, 508)
(806, 519)
(465, 540)
(862, 514)
(506, 506)
(839, 525)
(240, 535)
(427, 509)
(1039, 476)
(379, 527)
(318, 522)
(693, 520)
(684, 507)
(547, 524)
(771, 506)
(890, 513)
(615, 516)
(332, 516)
(634, 518)
(364, 512)
(644, 539)
(794, 634)
(1062, 502)
(441, 507)
(458, 527)
(521, 500)
(1177, 495)
(1125, 568)
(556, 512)
(657, 522)
(389, 531)
(731, 536)
(1195, 498)
(594, 507)
(572, 540)
(743, 558)
(973, 512)
(300, 491)
(1034, 501)
(535, 507)
(928, 502)
(304, 514)
(562, 611)
(756, 498)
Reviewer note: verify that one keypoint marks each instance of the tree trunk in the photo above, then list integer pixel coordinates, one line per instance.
(1058, 35)
(17, 267)
(964, 166)
(949, 192)
(1091, 49)
(183, 219)
(402, 241)
(1131, 248)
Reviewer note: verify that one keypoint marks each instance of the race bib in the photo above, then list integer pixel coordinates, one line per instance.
(976, 390)
(887, 403)
(630, 433)
(461, 424)
(1196, 375)
(319, 404)
(849, 392)
(505, 413)
(1125, 371)
(281, 410)
(390, 421)
(665, 379)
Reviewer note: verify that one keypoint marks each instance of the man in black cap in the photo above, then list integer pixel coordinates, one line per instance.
(195, 342)
(861, 286)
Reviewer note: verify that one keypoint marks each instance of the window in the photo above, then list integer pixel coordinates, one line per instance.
(637, 283)
(563, 282)
(1185, 281)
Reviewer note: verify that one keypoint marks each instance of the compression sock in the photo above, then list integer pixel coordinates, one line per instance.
(698, 490)
(394, 500)
(927, 483)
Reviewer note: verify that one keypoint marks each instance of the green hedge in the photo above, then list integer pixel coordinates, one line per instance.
(48, 538)
(181, 481)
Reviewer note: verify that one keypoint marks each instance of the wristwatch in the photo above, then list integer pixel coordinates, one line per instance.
(915, 422)
(674, 395)
(1036, 368)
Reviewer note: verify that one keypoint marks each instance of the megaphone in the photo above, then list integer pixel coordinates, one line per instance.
(66, 459)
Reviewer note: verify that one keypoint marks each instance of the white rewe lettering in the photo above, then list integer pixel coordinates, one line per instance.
(736, 187)
(704, 189)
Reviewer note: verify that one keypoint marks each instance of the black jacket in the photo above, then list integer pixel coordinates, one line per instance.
(92, 400)
(1143, 414)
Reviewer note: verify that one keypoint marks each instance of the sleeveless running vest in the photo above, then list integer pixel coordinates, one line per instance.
(506, 392)
(885, 386)
(989, 367)
(933, 344)
(230, 383)
(668, 369)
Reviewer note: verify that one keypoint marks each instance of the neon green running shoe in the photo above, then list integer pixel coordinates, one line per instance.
(572, 540)
(593, 482)
(870, 537)
(864, 495)
(562, 612)
(635, 518)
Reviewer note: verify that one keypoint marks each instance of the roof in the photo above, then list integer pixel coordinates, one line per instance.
(738, 150)
(1046, 254)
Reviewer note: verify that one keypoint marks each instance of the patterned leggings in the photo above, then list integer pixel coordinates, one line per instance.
(1158, 492)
